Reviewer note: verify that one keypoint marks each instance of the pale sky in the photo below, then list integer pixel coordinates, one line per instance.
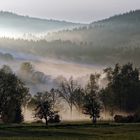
(70, 10)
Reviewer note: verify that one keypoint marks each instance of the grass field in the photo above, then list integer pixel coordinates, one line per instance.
(71, 131)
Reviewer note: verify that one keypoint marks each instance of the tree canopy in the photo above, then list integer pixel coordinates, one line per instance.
(12, 95)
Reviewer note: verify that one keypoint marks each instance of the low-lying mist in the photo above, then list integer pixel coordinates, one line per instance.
(43, 53)
(46, 71)
(41, 73)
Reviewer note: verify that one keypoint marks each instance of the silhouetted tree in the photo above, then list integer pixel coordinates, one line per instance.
(91, 104)
(91, 107)
(123, 89)
(45, 106)
(78, 98)
(12, 94)
(18, 115)
(107, 98)
(67, 91)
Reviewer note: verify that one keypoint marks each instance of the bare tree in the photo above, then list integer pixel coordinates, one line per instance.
(78, 98)
(67, 91)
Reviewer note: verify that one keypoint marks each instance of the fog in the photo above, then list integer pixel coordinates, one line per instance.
(75, 50)
(47, 73)
(46, 70)
(78, 11)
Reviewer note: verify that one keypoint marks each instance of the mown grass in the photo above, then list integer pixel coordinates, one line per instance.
(102, 131)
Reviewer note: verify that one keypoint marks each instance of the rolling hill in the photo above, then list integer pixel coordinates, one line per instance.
(11, 23)
(113, 30)
(115, 39)
(105, 42)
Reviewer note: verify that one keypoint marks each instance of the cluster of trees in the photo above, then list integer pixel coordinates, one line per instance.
(84, 100)
(122, 93)
(123, 89)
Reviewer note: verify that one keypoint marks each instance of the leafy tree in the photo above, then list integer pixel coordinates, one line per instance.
(27, 67)
(12, 94)
(91, 107)
(25, 72)
(45, 106)
(123, 89)
(18, 115)
(91, 104)
(107, 98)
(6, 69)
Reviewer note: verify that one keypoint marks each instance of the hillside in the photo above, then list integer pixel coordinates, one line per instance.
(129, 17)
(114, 31)
(113, 40)
(13, 23)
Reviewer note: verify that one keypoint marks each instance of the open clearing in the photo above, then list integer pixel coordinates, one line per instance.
(70, 131)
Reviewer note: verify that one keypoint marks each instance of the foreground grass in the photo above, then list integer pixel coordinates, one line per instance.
(101, 131)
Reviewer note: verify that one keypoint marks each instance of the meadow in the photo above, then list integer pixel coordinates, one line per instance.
(71, 131)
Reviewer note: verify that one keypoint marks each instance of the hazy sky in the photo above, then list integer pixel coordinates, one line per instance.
(71, 10)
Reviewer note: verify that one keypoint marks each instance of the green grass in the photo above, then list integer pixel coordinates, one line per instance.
(78, 131)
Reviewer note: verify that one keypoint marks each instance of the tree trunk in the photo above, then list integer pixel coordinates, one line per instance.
(46, 121)
(94, 120)
(71, 108)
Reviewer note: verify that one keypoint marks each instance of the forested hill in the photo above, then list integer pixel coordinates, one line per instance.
(130, 17)
(25, 24)
(117, 31)
(115, 39)
(110, 41)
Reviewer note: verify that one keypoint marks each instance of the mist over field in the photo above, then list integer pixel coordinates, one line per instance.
(58, 50)
(70, 70)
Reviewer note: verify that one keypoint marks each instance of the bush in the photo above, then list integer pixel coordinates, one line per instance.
(137, 116)
(124, 119)
(54, 119)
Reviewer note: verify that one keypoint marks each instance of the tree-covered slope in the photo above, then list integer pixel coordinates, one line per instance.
(109, 41)
(117, 31)
(24, 24)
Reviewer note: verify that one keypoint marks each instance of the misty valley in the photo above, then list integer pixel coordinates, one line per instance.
(74, 79)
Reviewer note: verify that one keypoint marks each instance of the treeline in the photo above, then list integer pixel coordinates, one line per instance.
(82, 52)
(117, 30)
(25, 24)
(121, 93)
